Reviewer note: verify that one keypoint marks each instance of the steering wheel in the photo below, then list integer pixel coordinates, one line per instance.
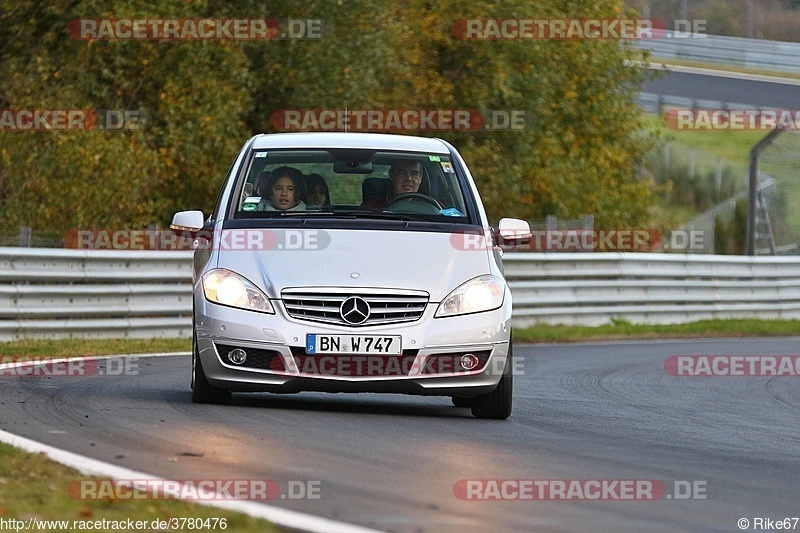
(409, 195)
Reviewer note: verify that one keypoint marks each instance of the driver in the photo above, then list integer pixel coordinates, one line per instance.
(405, 176)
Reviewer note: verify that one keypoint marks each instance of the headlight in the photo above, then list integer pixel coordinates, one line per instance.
(229, 288)
(484, 293)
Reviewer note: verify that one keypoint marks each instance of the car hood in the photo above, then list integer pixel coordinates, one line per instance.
(435, 262)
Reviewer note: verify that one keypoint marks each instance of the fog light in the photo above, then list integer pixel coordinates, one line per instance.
(237, 356)
(470, 361)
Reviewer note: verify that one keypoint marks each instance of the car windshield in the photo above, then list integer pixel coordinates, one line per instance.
(351, 182)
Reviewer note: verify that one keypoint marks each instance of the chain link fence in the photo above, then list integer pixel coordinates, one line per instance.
(778, 216)
(27, 238)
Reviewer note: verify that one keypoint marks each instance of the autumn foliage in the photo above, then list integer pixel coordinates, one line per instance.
(578, 154)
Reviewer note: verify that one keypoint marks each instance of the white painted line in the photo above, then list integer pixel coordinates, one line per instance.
(26, 362)
(93, 467)
(68, 366)
(161, 354)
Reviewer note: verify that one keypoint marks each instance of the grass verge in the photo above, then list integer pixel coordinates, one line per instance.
(731, 145)
(618, 329)
(37, 349)
(621, 330)
(34, 487)
(724, 68)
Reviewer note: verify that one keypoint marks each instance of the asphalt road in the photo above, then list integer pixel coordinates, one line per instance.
(589, 411)
(707, 87)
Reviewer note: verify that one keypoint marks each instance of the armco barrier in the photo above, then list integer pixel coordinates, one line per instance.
(593, 288)
(758, 54)
(53, 293)
(48, 293)
(655, 103)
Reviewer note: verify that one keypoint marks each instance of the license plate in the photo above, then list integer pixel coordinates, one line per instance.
(357, 344)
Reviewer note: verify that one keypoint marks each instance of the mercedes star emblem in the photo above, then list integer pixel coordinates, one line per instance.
(354, 310)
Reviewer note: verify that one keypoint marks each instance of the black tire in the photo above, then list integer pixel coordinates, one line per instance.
(202, 390)
(461, 401)
(496, 405)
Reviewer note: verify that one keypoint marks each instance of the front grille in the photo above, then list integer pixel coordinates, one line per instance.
(386, 306)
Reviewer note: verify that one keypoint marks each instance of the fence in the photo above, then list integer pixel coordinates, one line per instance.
(777, 216)
(73, 293)
(28, 238)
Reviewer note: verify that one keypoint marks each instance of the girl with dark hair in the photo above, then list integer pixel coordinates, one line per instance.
(286, 190)
(317, 188)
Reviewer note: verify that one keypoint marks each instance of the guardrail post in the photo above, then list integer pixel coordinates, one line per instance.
(25, 236)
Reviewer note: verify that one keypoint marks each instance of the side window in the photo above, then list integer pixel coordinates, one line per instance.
(443, 186)
(255, 183)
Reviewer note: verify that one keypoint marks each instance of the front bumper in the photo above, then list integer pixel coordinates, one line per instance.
(424, 341)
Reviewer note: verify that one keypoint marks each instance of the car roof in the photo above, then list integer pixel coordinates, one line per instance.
(371, 141)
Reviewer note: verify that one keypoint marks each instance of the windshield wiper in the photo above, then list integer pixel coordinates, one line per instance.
(385, 215)
(333, 213)
(326, 212)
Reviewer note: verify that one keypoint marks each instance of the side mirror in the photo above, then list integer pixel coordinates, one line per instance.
(514, 231)
(187, 222)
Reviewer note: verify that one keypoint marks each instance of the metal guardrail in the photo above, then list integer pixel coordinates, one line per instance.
(592, 289)
(52, 293)
(47, 293)
(734, 51)
(655, 103)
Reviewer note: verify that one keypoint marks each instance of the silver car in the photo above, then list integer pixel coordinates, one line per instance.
(384, 277)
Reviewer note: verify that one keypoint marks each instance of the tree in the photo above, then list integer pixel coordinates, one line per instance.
(579, 152)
